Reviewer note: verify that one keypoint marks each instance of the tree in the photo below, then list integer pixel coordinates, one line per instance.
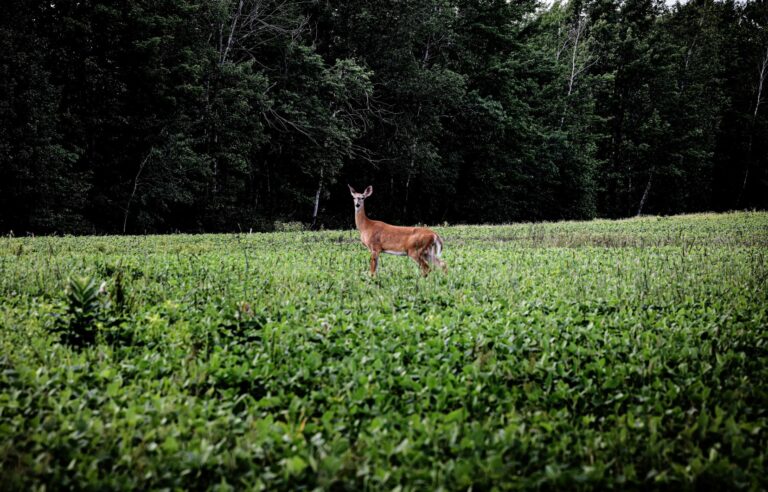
(235, 114)
(41, 189)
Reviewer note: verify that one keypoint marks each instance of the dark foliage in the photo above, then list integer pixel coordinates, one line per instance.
(192, 115)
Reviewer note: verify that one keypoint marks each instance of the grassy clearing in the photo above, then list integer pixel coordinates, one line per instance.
(567, 355)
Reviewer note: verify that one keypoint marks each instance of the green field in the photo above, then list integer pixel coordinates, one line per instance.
(605, 354)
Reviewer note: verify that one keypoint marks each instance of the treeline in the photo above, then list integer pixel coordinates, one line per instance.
(211, 115)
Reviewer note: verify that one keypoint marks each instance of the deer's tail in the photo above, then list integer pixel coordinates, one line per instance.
(437, 246)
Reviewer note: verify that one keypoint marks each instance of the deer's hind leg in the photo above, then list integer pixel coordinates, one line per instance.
(418, 257)
(430, 257)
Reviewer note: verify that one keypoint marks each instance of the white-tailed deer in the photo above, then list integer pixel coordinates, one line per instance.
(421, 244)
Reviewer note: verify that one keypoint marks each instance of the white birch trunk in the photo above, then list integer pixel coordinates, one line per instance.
(760, 83)
(575, 69)
(317, 200)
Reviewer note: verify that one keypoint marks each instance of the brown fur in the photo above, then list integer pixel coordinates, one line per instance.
(419, 243)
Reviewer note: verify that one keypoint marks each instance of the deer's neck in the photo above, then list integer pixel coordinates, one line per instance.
(361, 220)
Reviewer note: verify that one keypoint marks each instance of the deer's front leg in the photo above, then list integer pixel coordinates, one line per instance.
(374, 262)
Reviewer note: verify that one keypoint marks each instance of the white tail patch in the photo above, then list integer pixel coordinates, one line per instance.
(435, 250)
(437, 246)
(402, 241)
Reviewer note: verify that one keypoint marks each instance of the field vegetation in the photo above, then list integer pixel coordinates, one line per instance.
(603, 354)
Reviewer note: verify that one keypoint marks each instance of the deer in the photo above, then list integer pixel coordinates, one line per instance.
(419, 243)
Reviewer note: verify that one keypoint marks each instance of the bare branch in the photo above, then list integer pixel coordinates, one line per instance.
(133, 192)
(285, 123)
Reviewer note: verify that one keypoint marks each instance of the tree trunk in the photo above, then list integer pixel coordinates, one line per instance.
(408, 179)
(225, 51)
(743, 183)
(763, 70)
(760, 82)
(573, 57)
(645, 194)
(317, 201)
(572, 78)
(133, 192)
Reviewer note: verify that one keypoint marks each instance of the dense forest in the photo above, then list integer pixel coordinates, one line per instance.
(139, 116)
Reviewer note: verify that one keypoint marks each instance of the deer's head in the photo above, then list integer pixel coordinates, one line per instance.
(360, 197)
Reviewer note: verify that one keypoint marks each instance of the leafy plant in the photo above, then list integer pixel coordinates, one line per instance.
(84, 306)
(589, 355)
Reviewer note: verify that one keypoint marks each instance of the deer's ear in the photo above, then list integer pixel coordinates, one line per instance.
(351, 190)
(368, 191)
